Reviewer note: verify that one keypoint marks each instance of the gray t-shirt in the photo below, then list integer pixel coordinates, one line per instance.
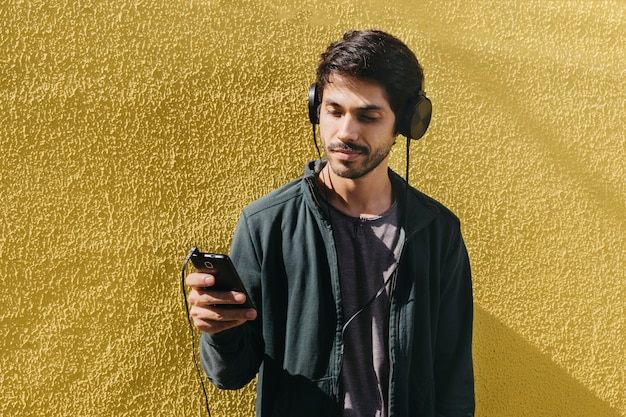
(368, 252)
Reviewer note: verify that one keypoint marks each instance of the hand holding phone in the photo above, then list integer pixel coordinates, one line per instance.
(220, 301)
(226, 276)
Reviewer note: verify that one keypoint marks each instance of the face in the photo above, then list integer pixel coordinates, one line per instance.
(356, 126)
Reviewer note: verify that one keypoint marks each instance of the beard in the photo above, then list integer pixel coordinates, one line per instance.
(369, 159)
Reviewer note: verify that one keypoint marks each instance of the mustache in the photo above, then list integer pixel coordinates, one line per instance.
(347, 146)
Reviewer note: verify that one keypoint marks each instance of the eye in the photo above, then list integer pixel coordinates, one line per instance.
(368, 119)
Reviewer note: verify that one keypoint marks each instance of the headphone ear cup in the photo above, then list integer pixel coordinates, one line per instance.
(314, 104)
(417, 118)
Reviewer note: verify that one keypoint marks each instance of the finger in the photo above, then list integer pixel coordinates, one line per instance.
(200, 280)
(213, 327)
(208, 297)
(216, 319)
(217, 313)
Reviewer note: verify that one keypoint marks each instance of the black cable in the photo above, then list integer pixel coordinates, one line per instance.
(317, 148)
(406, 182)
(193, 341)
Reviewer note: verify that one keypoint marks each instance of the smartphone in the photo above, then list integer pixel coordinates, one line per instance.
(226, 276)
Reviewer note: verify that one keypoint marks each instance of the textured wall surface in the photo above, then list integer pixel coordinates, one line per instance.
(130, 130)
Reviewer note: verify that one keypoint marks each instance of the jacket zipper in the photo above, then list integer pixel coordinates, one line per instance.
(335, 387)
(396, 321)
(393, 333)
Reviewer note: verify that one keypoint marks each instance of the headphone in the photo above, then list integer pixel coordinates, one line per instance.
(412, 124)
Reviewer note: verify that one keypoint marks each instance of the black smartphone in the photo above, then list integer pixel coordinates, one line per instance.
(226, 276)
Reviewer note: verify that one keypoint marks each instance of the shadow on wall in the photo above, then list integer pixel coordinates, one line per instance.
(515, 379)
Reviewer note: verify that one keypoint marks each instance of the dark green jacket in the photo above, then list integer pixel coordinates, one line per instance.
(284, 251)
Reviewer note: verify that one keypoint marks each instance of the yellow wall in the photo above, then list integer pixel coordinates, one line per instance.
(130, 130)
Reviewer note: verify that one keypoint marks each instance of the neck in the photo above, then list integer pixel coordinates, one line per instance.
(370, 195)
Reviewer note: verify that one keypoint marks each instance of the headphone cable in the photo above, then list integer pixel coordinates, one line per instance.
(193, 341)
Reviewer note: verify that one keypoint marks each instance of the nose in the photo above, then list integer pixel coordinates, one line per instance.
(349, 128)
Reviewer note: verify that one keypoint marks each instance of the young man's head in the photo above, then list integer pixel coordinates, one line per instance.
(377, 57)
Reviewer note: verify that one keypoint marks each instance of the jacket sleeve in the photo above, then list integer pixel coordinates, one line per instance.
(454, 375)
(232, 358)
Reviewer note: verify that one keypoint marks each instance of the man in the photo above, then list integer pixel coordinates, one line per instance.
(361, 283)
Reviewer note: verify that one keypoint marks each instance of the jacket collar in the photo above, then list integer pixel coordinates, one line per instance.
(422, 210)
